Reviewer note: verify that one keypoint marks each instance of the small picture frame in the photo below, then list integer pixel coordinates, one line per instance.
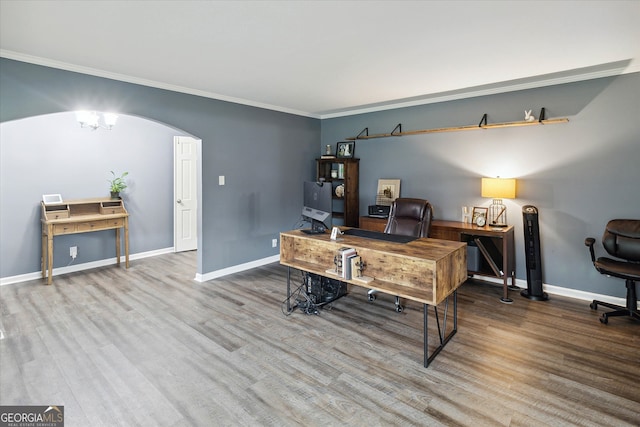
(51, 199)
(478, 211)
(388, 191)
(345, 150)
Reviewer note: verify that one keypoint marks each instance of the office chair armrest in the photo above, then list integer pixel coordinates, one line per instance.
(589, 241)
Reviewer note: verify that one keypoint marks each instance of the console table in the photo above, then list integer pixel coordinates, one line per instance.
(81, 216)
(495, 244)
(424, 270)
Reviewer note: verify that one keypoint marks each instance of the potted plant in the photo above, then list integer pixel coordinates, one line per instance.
(117, 184)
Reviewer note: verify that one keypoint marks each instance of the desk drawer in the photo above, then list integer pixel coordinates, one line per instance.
(92, 225)
(115, 223)
(64, 229)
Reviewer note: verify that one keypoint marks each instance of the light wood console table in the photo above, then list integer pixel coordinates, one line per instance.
(424, 270)
(81, 216)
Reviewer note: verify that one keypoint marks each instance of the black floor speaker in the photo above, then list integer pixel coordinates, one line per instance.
(532, 254)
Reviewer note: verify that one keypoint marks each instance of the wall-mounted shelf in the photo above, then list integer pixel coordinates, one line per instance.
(397, 131)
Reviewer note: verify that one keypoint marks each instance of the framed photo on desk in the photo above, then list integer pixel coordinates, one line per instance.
(479, 212)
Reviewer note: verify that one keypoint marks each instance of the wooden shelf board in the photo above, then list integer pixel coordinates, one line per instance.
(461, 128)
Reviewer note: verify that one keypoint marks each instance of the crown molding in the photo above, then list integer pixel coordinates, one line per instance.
(144, 82)
(571, 76)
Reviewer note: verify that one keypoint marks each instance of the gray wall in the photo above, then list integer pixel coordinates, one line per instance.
(579, 174)
(52, 154)
(265, 155)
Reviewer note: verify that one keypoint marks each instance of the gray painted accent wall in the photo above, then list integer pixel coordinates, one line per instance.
(265, 156)
(579, 175)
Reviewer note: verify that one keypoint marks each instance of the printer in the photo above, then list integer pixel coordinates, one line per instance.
(379, 211)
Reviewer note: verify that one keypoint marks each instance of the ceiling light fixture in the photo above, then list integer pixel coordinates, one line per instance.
(91, 119)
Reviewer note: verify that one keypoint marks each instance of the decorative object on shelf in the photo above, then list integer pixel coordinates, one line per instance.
(91, 119)
(341, 171)
(345, 150)
(397, 131)
(498, 189)
(528, 117)
(340, 190)
(117, 184)
(388, 191)
(334, 173)
(327, 153)
(466, 215)
(51, 199)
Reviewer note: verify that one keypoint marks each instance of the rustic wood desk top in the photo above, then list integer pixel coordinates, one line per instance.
(424, 270)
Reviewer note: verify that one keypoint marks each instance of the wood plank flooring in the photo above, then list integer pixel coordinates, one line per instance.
(149, 346)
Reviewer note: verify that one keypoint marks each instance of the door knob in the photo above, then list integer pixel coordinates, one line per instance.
(179, 200)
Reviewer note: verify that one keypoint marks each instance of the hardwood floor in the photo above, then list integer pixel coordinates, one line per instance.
(149, 346)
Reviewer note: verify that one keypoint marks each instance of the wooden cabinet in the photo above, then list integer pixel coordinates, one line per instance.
(373, 224)
(346, 209)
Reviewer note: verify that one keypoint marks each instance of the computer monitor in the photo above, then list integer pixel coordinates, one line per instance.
(317, 205)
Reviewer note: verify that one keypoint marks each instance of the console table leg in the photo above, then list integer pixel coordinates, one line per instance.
(117, 246)
(126, 242)
(43, 258)
(50, 257)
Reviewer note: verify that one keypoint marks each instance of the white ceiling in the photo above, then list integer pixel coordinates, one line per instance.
(328, 58)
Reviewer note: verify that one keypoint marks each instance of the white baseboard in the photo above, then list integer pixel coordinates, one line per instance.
(560, 291)
(79, 267)
(236, 268)
(550, 289)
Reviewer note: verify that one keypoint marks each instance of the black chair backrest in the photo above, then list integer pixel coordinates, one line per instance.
(410, 217)
(621, 239)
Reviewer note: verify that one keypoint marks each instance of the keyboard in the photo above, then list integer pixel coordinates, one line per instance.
(367, 234)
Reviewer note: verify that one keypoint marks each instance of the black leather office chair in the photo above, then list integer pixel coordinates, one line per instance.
(408, 217)
(621, 239)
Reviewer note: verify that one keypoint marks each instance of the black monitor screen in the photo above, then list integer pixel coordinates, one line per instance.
(317, 202)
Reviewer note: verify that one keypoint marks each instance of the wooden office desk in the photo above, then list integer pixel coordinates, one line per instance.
(496, 246)
(425, 270)
(82, 216)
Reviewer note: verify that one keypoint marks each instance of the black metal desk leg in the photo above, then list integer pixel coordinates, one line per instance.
(442, 335)
(426, 335)
(288, 289)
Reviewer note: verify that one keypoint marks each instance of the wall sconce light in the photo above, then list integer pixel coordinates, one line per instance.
(91, 119)
(498, 189)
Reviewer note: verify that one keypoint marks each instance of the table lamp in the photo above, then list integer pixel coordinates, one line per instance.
(498, 189)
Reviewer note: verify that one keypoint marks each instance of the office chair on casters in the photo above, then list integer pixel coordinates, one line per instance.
(621, 239)
(408, 217)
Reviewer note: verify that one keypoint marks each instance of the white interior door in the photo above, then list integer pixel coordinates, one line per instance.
(186, 194)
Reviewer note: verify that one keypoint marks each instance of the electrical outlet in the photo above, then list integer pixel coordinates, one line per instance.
(274, 243)
(73, 252)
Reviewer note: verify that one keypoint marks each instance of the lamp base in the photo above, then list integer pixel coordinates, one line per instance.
(498, 225)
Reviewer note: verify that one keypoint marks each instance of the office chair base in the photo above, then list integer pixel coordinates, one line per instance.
(371, 296)
(619, 311)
